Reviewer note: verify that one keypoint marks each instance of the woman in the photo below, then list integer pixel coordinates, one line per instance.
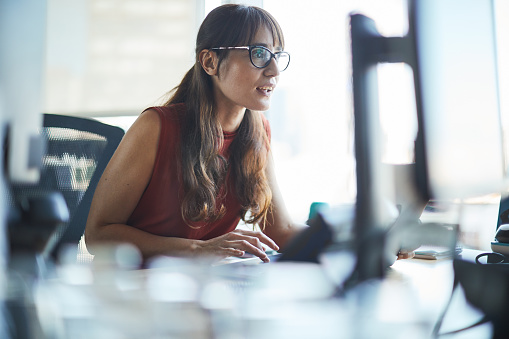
(186, 173)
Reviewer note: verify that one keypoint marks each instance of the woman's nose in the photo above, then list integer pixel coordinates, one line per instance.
(272, 69)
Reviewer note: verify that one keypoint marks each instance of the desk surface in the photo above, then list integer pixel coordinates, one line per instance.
(287, 300)
(432, 281)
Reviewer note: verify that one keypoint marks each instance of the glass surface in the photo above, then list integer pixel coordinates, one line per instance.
(458, 78)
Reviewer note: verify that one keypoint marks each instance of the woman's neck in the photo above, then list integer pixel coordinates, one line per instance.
(230, 119)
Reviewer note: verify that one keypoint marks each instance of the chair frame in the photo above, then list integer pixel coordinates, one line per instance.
(114, 135)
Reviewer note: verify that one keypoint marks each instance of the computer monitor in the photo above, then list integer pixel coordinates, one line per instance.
(377, 183)
(460, 149)
(450, 47)
(21, 92)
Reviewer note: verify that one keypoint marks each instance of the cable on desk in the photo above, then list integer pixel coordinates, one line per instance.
(492, 257)
(480, 322)
(440, 320)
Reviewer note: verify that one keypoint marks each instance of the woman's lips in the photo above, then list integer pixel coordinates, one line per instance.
(266, 90)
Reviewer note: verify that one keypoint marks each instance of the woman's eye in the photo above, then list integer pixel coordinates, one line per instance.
(259, 54)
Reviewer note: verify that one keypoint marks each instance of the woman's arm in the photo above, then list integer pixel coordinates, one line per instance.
(279, 226)
(121, 186)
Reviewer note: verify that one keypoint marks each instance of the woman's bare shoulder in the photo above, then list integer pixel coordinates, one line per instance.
(146, 127)
(147, 119)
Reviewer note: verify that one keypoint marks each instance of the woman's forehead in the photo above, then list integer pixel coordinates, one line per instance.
(265, 37)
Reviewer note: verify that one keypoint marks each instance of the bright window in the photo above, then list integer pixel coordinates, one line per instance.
(311, 113)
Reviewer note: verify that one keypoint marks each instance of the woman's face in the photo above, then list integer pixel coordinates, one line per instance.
(240, 85)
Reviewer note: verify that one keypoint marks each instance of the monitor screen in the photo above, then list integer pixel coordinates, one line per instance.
(460, 142)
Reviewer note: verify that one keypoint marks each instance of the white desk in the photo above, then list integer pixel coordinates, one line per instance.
(189, 300)
(432, 281)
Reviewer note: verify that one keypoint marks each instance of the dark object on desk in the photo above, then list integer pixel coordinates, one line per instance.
(487, 288)
(33, 221)
(78, 150)
(501, 241)
(503, 211)
(502, 234)
(308, 244)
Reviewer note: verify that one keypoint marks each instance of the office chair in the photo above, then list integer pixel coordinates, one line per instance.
(77, 152)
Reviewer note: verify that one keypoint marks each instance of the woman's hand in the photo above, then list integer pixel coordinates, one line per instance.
(236, 243)
(405, 254)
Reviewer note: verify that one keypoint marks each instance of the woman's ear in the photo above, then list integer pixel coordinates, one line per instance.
(208, 61)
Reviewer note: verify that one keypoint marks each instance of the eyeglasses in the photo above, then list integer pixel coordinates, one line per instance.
(261, 56)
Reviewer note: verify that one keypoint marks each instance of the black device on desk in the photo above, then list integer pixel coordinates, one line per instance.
(501, 242)
(307, 245)
(486, 283)
(304, 247)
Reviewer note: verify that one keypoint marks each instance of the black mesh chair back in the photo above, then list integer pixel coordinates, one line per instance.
(78, 150)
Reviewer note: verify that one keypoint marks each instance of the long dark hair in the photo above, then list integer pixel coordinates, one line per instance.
(203, 168)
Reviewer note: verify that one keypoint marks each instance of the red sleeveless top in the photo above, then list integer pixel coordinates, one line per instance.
(158, 211)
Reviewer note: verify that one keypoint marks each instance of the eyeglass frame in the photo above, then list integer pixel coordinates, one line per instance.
(250, 48)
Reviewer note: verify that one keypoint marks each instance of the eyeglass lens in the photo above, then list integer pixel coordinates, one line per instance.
(261, 58)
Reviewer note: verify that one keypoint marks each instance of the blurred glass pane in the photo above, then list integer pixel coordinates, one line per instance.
(116, 55)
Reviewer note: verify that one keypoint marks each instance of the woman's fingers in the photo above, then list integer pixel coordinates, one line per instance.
(237, 242)
(403, 254)
(252, 242)
(247, 246)
(260, 236)
(232, 252)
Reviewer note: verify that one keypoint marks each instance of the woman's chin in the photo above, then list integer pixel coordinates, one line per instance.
(259, 107)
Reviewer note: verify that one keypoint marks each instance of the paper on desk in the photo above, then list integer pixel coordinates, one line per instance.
(435, 252)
